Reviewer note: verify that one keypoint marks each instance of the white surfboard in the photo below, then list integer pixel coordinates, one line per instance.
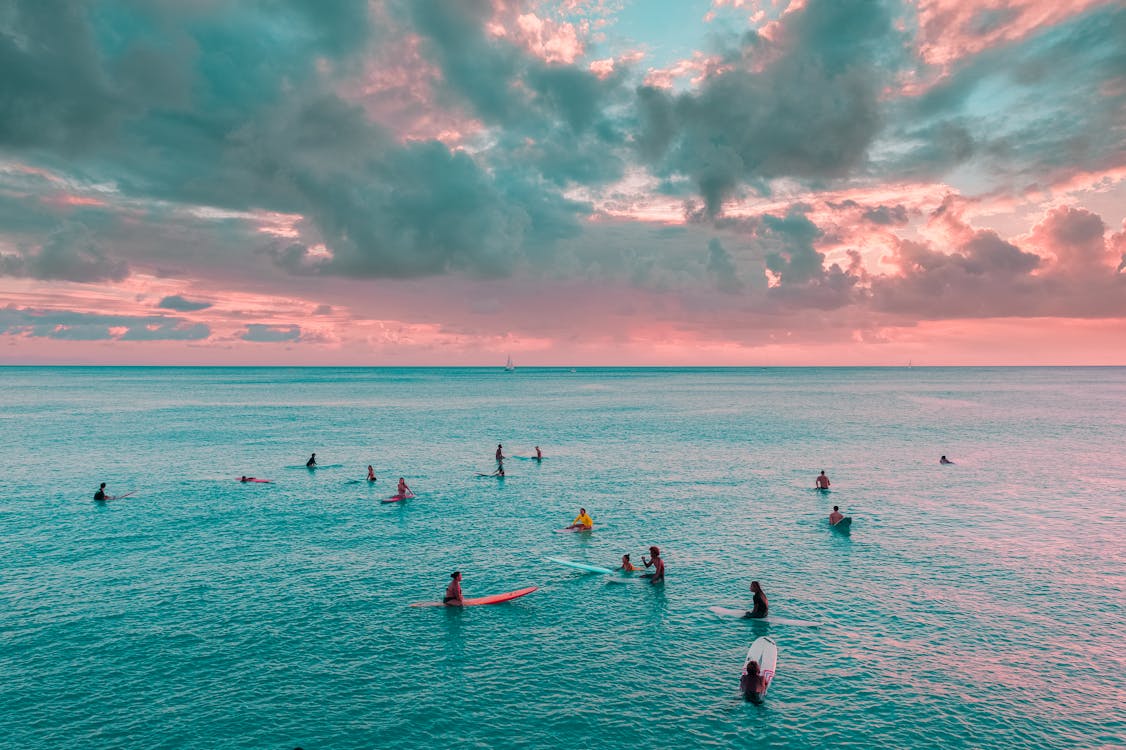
(765, 652)
(579, 565)
(770, 619)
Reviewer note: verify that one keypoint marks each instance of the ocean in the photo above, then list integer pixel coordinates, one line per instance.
(975, 605)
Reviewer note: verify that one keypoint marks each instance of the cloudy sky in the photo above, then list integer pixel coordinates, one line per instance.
(572, 182)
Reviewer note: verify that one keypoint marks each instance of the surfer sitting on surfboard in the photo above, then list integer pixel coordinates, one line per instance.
(760, 606)
(371, 473)
(945, 460)
(822, 481)
(654, 561)
(582, 522)
(453, 596)
(312, 462)
(403, 489)
(627, 565)
(750, 684)
(835, 516)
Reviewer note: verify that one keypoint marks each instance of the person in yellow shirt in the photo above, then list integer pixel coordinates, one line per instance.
(582, 522)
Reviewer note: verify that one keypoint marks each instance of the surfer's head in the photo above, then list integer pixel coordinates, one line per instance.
(655, 550)
(836, 508)
(456, 575)
(755, 586)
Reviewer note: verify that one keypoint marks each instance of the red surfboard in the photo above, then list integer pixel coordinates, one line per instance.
(494, 599)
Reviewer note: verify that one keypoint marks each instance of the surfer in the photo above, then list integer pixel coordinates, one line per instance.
(403, 489)
(627, 565)
(760, 606)
(822, 481)
(582, 522)
(371, 473)
(100, 495)
(945, 460)
(654, 561)
(835, 516)
(453, 596)
(244, 479)
(750, 684)
(500, 454)
(539, 454)
(312, 462)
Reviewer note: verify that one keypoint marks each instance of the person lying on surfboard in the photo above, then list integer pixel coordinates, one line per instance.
(835, 516)
(822, 481)
(654, 560)
(582, 522)
(403, 489)
(312, 462)
(453, 597)
(627, 565)
(760, 606)
(371, 473)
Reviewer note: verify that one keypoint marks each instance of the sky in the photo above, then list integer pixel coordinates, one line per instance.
(566, 182)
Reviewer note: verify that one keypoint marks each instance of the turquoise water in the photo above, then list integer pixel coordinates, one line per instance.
(976, 605)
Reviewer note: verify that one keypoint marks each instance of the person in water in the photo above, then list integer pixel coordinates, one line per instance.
(654, 561)
(312, 462)
(945, 460)
(500, 453)
(627, 566)
(499, 472)
(453, 597)
(582, 522)
(244, 479)
(539, 454)
(751, 683)
(836, 516)
(101, 493)
(760, 606)
(371, 473)
(403, 489)
(822, 481)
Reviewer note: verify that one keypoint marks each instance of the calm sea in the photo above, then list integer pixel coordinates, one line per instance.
(979, 605)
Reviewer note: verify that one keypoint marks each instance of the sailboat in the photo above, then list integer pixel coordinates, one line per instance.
(508, 366)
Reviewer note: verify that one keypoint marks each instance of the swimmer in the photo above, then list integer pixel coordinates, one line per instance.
(822, 481)
(371, 473)
(945, 460)
(403, 489)
(760, 606)
(835, 516)
(750, 684)
(582, 522)
(627, 566)
(453, 596)
(654, 561)
(312, 462)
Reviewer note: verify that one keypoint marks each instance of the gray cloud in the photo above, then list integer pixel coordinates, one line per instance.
(76, 326)
(722, 268)
(178, 303)
(260, 332)
(70, 253)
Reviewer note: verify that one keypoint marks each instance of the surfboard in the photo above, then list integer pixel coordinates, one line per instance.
(845, 524)
(580, 566)
(569, 530)
(765, 652)
(396, 498)
(769, 619)
(248, 480)
(498, 476)
(643, 578)
(494, 599)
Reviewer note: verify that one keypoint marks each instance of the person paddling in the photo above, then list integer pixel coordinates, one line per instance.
(582, 522)
(836, 516)
(312, 462)
(654, 561)
(760, 607)
(371, 473)
(453, 597)
(822, 481)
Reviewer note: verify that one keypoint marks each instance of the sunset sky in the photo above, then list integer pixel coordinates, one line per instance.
(573, 182)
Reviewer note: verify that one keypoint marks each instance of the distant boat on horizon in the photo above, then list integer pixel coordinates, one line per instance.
(508, 366)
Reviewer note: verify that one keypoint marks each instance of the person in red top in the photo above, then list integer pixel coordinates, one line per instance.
(453, 596)
(654, 561)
